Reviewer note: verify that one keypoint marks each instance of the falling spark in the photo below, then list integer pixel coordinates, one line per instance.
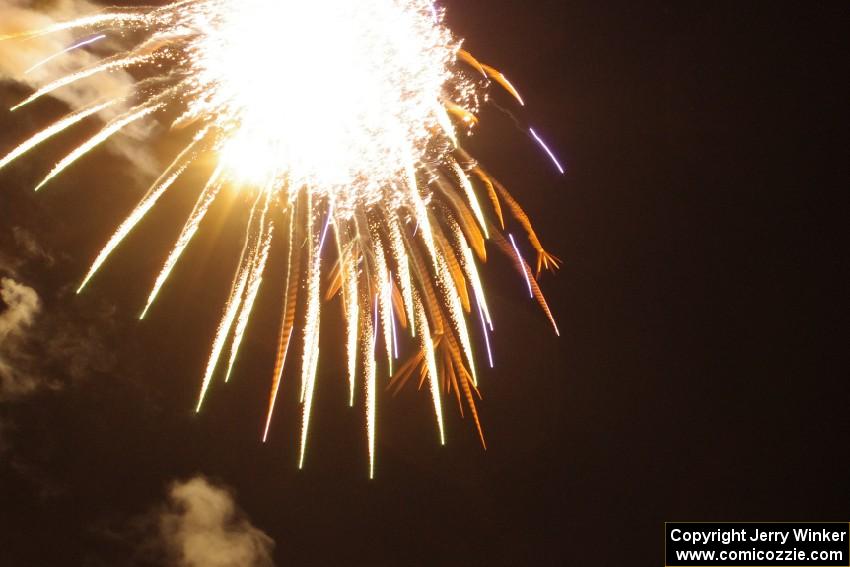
(156, 191)
(548, 151)
(52, 130)
(64, 51)
(255, 279)
(119, 63)
(371, 369)
(207, 197)
(353, 314)
(325, 229)
(274, 396)
(522, 262)
(486, 335)
(95, 141)
(373, 162)
(394, 328)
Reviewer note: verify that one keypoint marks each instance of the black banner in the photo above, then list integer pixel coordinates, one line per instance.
(757, 544)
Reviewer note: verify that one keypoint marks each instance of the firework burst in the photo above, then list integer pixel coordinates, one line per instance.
(340, 121)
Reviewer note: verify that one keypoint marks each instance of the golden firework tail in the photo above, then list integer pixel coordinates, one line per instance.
(453, 268)
(466, 57)
(471, 197)
(456, 316)
(445, 122)
(381, 285)
(461, 113)
(491, 192)
(398, 306)
(524, 269)
(403, 372)
(497, 76)
(544, 259)
(469, 225)
(471, 402)
(431, 365)
(449, 371)
(471, 272)
(399, 253)
(287, 323)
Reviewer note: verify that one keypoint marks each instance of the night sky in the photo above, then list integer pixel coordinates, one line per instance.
(700, 374)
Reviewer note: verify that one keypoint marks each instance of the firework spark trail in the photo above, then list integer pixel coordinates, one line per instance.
(522, 262)
(444, 279)
(221, 334)
(353, 306)
(258, 265)
(382, 165)
(96, 140)
(471, 271)
(486, 334)
(502, 80)
(311, 334)
(394, 328)
(237, 289)
(525, 269)
(77, 45)
(402, 269)
(328, 218)
(470, 195)
(117, 63)
(109, 18)
(370, 335)
(458, 319)
(547, 150)
(431, 365)
(384, 302)
(172, 172)
(52, 130)
(208, 195)
(277, 376)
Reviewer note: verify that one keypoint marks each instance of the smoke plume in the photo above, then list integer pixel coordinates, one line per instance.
(202, 527)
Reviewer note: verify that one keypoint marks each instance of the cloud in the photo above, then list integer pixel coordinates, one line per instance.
(43, 348)
(18, 56)
(201, 526)
(26, 243)
(22, 305)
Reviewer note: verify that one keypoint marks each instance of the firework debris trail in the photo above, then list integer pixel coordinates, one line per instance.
(380, 167)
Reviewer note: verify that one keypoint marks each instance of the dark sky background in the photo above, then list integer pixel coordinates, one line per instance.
(700, 374)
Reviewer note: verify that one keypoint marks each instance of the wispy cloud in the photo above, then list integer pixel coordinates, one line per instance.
(46, 341)
(22, 305)
(47, 348)
(201, 526)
